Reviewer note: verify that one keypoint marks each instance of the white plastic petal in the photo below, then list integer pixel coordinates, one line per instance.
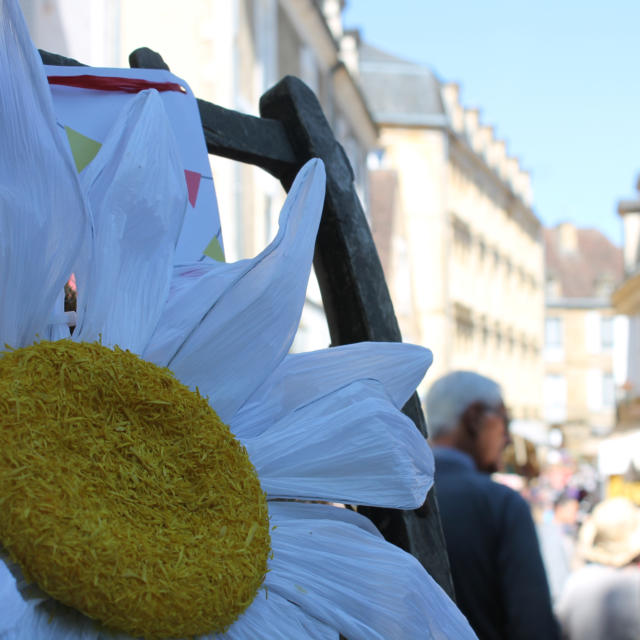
(293, 510)
(12, 605)
(52, 621)
(29, 591)
(58, 328)
(43, 219)
(365, 587)
(138, 197)
(194, 289)
(249, 330)
(304, 377)
(271, 617)
(352, 446)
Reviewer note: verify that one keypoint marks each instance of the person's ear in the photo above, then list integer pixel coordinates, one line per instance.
(472, 419)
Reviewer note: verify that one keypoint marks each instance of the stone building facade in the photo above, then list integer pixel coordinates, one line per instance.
(453, 220)
(585, 340)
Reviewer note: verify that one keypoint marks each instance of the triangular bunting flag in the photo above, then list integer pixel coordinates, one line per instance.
(84, 149)
(193, 184)
(214, 250)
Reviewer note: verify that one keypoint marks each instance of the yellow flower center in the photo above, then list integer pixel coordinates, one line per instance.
(123, 495)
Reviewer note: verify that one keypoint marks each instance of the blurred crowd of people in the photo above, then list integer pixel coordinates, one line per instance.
(542, 561)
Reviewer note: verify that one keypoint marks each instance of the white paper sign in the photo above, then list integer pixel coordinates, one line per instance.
(87, 115)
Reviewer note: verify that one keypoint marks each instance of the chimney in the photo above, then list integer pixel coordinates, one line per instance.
(451, 99)
(485, 137)
(332, 10)
(471, 123)
(349, 50)
(567, 237)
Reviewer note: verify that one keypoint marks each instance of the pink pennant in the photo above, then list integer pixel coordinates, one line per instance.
(193, 184)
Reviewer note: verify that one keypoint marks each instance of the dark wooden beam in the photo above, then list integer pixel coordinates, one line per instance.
(258, 141)
(57, 60)
(145, 58)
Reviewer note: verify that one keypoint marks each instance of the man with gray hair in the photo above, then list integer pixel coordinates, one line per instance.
(495, 559)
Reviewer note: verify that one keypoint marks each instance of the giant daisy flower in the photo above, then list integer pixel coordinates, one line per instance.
(163, 469)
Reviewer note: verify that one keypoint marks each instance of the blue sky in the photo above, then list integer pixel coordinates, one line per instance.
(559, 81)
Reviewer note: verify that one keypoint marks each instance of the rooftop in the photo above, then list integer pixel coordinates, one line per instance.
(580, 264)
(399, 91)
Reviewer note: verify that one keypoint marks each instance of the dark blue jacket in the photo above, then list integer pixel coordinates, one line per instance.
(496, 565)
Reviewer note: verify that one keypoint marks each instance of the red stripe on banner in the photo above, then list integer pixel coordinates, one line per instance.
(109, 83)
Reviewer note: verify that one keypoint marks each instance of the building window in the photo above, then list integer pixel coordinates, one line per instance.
(555, 398)
(482, 249)
(608, 391)
(601, 390)
(553, 332)
(604, 286)
(523, 275)
(461, 232)
(552, 287)
(485, 334)
(464, 326)
(498, 337)
(509, 266)
(606, 333)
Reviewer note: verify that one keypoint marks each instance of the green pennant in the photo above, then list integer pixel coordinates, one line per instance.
(214, 250)
(84, 149)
